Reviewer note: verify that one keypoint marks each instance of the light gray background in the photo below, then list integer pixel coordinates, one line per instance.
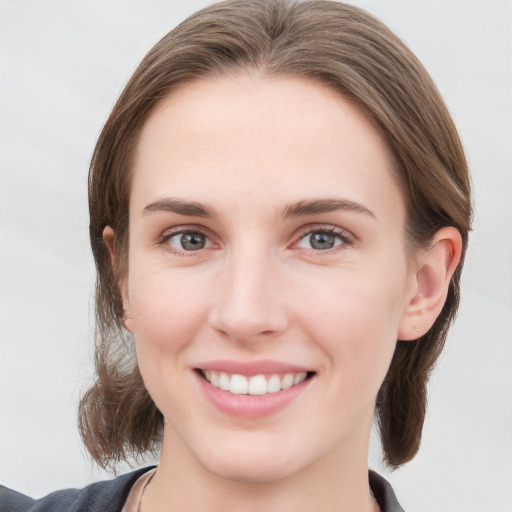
(62, 65)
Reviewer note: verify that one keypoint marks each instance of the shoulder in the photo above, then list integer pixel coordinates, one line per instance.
(384, 493)
(107, 496)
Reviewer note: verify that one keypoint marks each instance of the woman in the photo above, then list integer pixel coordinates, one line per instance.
(278, 196)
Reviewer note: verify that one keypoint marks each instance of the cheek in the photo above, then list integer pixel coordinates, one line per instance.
(357, 323)
(167, 310)
(167, 314)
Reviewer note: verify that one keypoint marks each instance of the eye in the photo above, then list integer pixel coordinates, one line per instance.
(323, 240)
(187, 241)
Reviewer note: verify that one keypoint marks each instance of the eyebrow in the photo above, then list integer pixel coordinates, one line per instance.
(316, 206)
(181, 207)
(297, 209)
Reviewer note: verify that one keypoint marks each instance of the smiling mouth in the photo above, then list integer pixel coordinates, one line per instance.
(254, 385)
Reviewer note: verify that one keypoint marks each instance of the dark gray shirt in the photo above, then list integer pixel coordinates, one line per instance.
(110, 496)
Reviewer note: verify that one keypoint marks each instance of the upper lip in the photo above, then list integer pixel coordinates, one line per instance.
(249, 368)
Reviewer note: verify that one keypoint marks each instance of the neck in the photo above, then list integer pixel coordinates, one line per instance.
(336, 483)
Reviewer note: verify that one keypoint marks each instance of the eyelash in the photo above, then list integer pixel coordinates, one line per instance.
(164, 239)
(345, 239)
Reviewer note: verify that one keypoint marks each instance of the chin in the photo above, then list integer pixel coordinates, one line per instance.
(253, 465)
(246, 471)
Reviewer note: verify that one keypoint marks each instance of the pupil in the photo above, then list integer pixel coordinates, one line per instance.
(322, 241)
(192, 242)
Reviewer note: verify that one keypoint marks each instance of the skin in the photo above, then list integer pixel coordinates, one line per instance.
(246, 148)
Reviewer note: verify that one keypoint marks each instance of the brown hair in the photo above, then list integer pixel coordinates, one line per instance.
(350, 51)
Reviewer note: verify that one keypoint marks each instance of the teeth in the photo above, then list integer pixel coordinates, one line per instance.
(273, 384)
(287, 381)
(297, 379)
(238, 385)
(255, 385)
(258, 385)
(224, 381)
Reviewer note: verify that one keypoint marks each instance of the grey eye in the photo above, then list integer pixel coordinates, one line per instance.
(192, 241)
(321, 241)
(188, 241)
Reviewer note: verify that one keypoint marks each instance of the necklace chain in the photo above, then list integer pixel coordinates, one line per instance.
(147, 484)
(144, 489)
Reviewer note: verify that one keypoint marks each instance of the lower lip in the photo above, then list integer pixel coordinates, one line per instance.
(251, 406)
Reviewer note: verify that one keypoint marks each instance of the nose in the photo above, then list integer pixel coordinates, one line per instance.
(249, 305)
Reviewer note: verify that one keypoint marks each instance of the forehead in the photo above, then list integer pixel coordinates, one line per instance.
(236, 106)
(237, 134)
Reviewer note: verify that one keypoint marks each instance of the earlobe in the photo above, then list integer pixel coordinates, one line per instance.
(432, 277)
(108, 238)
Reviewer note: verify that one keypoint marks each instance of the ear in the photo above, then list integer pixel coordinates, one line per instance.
(431, 278)
(108, 238)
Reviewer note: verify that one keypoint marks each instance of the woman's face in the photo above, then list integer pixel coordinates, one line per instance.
(267, 255)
